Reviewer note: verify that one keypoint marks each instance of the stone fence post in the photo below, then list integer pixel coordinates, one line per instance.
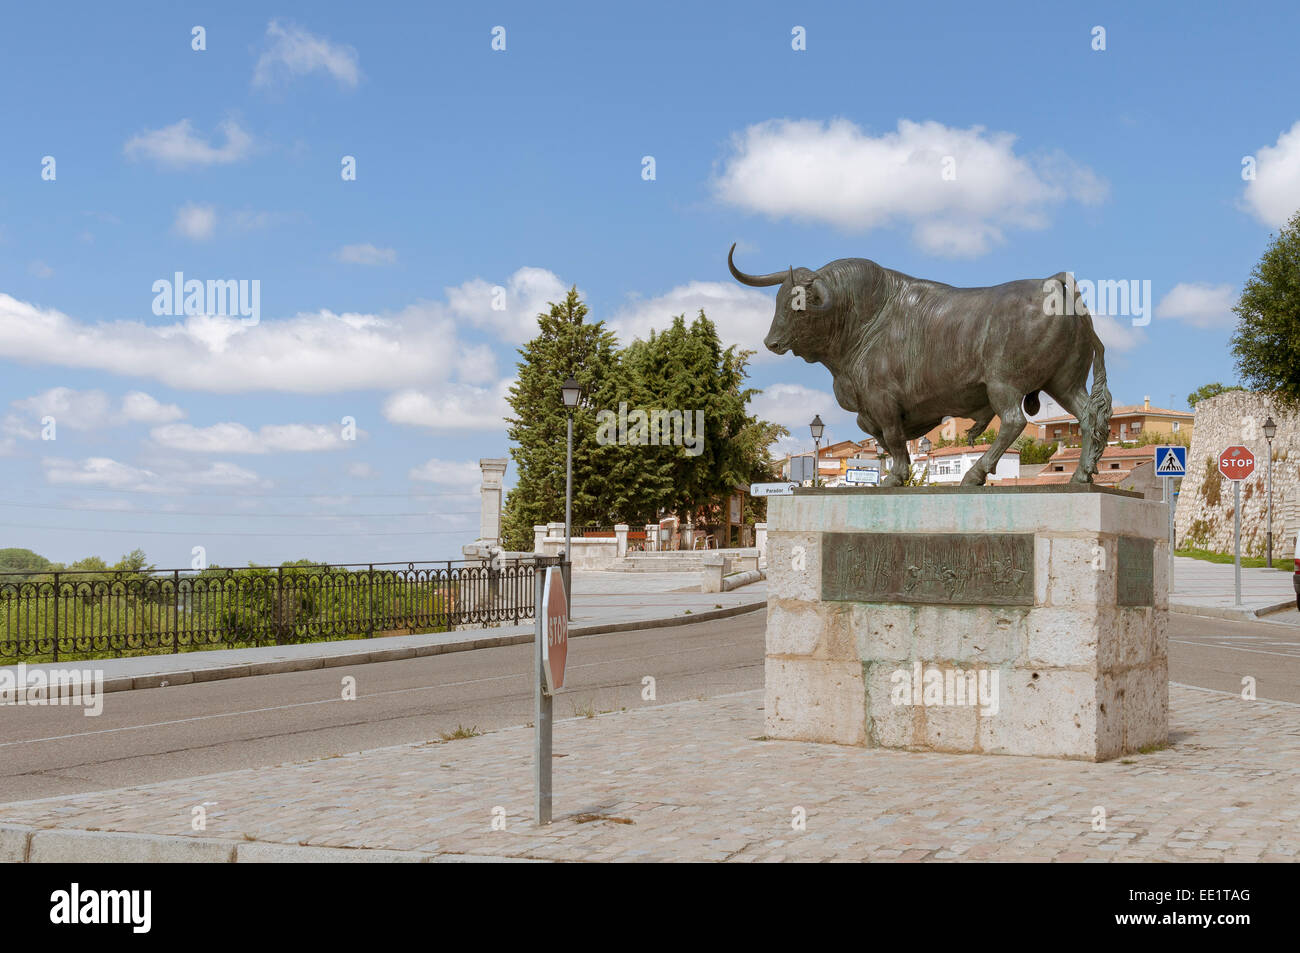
(760, 542)
(620, 533)
(493, 471)
(652, 537)
(539, 534)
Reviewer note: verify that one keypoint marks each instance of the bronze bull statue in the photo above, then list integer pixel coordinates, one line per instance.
(905, 354)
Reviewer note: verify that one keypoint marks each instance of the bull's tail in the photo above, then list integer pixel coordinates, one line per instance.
(1099, 402)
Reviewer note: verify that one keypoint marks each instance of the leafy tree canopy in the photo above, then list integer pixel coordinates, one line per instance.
(1267, 340)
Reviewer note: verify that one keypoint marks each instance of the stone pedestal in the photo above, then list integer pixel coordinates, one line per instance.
(993, 620)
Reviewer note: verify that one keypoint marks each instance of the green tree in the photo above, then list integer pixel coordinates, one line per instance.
(1210, 390)
(566, 344)
(1267, 340)
(23, 560)
(685, 368)
(1033, 451)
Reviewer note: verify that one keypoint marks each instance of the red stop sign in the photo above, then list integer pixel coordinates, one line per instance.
(1236, 463)
(555, 630)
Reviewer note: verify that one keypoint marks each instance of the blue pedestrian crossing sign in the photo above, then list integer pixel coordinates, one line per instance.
(1171, 461)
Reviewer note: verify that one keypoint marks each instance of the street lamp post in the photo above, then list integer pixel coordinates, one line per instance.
(817, 428)
(925, 447)
(571, 391)
(1270, 431)
(880, 460)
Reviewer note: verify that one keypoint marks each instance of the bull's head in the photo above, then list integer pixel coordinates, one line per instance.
(803, 296)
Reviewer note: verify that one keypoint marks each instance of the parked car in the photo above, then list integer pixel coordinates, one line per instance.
(1295, 580)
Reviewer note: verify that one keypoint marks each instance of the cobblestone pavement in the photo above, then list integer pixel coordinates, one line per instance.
(694, 781)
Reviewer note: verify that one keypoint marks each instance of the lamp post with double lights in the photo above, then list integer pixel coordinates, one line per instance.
(817, 428)
(1270, 431)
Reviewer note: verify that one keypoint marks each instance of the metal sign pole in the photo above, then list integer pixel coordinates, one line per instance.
(1169, 499)
(542, 703)
(1236, 531)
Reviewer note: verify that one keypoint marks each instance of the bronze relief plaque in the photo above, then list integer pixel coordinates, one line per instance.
(977, 569)
(1135, 572)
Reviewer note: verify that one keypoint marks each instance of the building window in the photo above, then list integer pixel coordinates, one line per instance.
(1059, 469)
(1114, 466)
(1176, 425)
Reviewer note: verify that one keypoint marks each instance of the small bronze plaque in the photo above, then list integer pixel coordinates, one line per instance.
(1135, 572)
(980, 569)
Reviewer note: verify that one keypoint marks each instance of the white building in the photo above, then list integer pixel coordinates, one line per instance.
(950, 464)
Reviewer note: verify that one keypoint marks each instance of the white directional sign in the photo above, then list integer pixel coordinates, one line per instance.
(1171, 461)
(772, 489)
(867, 475)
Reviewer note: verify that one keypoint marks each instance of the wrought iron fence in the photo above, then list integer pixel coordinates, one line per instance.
(53, 615)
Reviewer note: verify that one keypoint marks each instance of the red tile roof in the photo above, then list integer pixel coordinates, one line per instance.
(959, 449)
(1128, 410)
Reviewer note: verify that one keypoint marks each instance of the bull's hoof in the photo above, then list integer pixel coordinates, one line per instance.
(891, 480)
(973, 478)
(1081, 476)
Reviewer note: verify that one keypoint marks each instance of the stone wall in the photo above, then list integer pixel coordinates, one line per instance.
(1204, 515)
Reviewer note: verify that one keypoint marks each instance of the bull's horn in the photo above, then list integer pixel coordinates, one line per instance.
(754, 281)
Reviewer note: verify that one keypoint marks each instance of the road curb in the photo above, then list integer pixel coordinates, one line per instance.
(393, 654)
(1233, 614)
(42, 845)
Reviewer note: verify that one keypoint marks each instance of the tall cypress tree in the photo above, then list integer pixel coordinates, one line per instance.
(566, 345)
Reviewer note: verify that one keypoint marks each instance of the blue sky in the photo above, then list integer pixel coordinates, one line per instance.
(523, 169)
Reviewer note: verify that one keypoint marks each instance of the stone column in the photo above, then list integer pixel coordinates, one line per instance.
(493, 470)
(620, 533)
(652, 537)
(760, 542)
(539, 534)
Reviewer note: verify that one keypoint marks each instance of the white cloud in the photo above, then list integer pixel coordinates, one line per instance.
(527, 293)
(366, 255)
(836, 173)
(314, 353)
(451, 407)
(195, 222)
(1200, 305)
(793, 406)
(38, 269)
(93, 409)
(742, 315)
(236, 438)
(1117, 334)
(178, 146)
(362, 471)
(105, 471)
(295, 52)
(139, 407)
(454, 473)
(476, 364)
(1273, 196)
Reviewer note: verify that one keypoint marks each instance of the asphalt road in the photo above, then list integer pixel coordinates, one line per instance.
(191, 730)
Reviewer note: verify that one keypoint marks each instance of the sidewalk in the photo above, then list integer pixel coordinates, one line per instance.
(602, 602)
(696, 781)
(1206, 588)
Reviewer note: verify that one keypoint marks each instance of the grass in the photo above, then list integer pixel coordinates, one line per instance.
(584, 711)
(460, 732)
(1281, 561)
(1153, 748)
